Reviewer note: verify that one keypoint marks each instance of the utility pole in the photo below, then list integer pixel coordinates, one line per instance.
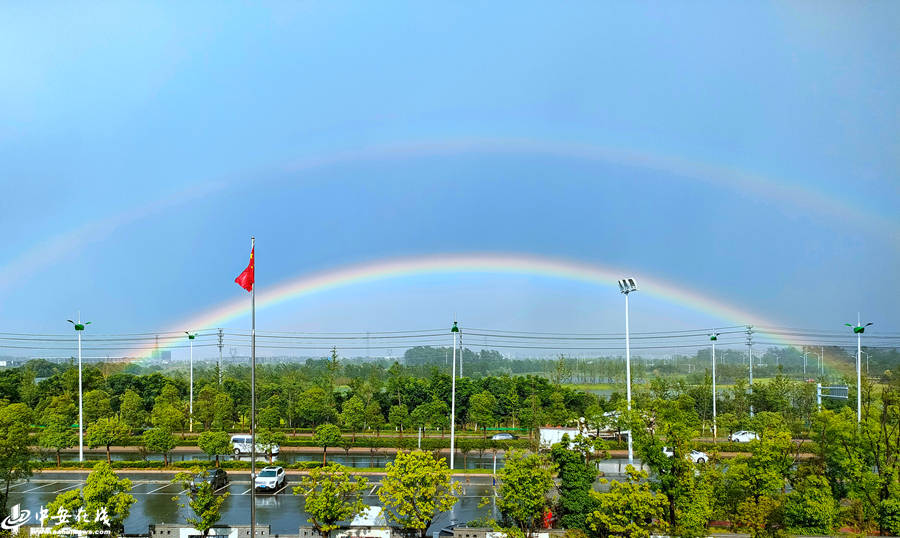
(713, 337)
(750, 356)
(220, 356)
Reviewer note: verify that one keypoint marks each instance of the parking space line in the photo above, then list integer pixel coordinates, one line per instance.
(157, 489)
(76, 485)
(221, 488)
(246, 492)
(34, 488)
(373, 489)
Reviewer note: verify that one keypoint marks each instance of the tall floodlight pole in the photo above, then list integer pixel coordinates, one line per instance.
(455, 332)
(713, 337)
(79, 327)
(750, 356)
(858, 330)
(191, 390)
(627, 286)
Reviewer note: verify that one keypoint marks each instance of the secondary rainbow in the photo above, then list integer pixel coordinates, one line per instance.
(487, 263)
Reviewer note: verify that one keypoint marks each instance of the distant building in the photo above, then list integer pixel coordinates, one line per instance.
(163, 355)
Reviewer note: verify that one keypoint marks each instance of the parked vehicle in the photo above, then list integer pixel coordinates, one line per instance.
(271, 479)
(743, 436)
(241, 444)
(216, 478)
(695, 455)
(503, 437)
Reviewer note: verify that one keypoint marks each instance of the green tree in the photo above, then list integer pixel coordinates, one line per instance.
(167, 416)
(398, 416)
(331, 495)
(103, 494)
(416, 488)
(531, 415)
(223, 412)
(206, 505)
(169, 411)
(107, 432)
(314, 406)
(159, 441)
(269, 439)
(58, 436)
(131, 410)
(525, 483)
(576, 481)
(374, 417)
(353, 415)
(96, 405)
(15, 453)
(215, 444)
(327, 435)
(630, 508)
(205, 406)
(482, 410)
(810, 508)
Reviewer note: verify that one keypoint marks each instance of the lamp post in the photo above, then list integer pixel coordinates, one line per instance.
(627, 286)
(713, 337)
(191, 390)
(454, 331)
(858, 330)
(79, 327)
(866, 353)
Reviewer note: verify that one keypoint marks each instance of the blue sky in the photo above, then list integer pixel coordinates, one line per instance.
(142, 144)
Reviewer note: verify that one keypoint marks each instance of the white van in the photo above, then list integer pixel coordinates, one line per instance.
(241, 444)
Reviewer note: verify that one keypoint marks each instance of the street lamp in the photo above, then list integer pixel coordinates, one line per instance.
(191, 400)
(866, 353)
(455, 331)
(714, 337)
(627, 286)
(858, 330)
(78, 328)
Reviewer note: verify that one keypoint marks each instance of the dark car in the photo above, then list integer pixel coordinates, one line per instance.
(216, 478)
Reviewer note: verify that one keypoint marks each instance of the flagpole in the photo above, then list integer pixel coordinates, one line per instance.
(253, 393)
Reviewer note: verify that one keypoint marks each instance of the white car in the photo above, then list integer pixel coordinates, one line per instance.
(271, 479)
(743, 436)
(695, 455)
(241, 444)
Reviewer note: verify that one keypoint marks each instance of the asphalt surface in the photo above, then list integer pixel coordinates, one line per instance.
(282, 510)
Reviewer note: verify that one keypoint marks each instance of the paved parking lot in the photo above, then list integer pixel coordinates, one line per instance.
(281, 509)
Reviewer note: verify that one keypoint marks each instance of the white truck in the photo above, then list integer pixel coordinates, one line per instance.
(551, 436)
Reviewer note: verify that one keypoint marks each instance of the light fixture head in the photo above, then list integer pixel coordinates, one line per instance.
(79, 326)
(627, 285)
(454, 329)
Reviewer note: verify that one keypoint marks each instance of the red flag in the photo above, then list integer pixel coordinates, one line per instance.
(245, 279)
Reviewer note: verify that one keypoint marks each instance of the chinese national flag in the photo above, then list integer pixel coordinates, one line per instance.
(245, 279)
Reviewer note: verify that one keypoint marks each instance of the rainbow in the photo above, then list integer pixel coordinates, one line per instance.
(490, 263)
(51, 250)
